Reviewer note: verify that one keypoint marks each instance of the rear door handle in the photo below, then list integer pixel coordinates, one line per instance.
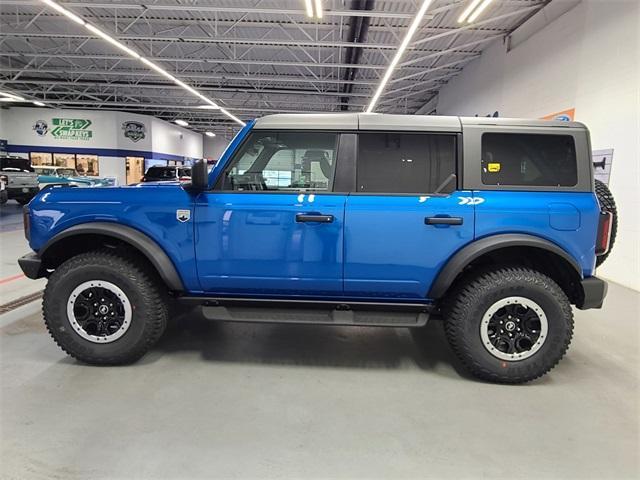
(313, 217)
(443, 220)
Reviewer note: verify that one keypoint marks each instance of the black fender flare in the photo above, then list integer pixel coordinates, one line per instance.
(476, 249)
(147, 246)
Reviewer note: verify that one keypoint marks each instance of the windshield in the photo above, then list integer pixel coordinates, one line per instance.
(67, 172)
(15, 164)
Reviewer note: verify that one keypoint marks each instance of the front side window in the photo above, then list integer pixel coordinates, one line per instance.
(406, 163)
(529, 159)
(289, 161)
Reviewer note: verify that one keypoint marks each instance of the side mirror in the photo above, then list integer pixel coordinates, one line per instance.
(199, 177)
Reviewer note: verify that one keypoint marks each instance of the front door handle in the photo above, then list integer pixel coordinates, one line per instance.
(313, 217)
(443, 220)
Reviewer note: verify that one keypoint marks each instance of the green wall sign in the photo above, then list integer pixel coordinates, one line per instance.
(71, 129)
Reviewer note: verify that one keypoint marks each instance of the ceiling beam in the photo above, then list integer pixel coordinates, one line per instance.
(214, 9)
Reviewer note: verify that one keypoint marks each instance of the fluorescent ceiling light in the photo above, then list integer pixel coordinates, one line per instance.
(467, 11)
(318, 4)
(211, 104)
(12, 97)
(210, 134)
(112, 40)
(182, 123)
(208, 107)
(64, 11)
(403, 46)
(9, 99)
(309, 8)
(479, 10)
(38, 104)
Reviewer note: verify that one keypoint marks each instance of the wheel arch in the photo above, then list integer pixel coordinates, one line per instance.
(83, 237)
(510, 249)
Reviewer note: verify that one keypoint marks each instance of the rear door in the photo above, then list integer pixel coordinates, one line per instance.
(407, 216)
(272, 225)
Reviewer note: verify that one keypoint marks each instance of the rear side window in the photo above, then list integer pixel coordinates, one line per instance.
(523, 159)
(405, 163)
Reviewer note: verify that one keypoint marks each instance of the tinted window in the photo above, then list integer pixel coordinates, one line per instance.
(15, 164)
(528, 159)
(290, 161)
(161, 172)
(405, 162)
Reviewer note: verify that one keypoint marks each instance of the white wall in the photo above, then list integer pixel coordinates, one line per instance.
(19, 121)
(113, 167)
(175, 140)
(214, 146)
(106, 131)
(587, 59)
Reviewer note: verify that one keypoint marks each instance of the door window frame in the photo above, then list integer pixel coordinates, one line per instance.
(457, 162)
(331, 190)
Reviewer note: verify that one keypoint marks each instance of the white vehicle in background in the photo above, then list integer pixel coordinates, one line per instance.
(4, 196)
(21, 182)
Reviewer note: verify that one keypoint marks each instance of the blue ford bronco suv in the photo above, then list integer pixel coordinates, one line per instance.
(491, 224)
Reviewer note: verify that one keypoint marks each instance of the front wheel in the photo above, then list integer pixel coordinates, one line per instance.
(104, 308)
(509, 325)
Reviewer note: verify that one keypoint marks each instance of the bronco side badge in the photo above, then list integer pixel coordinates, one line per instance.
(183, 215)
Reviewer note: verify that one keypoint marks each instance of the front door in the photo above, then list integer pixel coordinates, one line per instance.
(272, 225)
(406, 218)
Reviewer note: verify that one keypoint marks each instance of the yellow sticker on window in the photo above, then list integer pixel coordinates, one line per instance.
(494, 167)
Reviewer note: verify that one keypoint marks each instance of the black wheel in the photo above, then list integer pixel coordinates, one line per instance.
(104, 308)
(509, 325)
(608, 204)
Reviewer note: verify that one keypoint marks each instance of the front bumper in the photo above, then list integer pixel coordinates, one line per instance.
(17, 192)
(595, 291)
(31, 265)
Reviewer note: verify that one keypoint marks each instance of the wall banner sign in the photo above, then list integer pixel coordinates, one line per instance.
(71, 129)
(134, 131)
(564, 116)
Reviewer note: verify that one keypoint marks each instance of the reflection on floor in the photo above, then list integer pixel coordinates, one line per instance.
(230, 400)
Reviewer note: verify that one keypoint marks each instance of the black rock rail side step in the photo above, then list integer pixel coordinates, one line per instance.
(319, 312)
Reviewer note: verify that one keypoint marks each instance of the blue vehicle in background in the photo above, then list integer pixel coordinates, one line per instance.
(493, 225)
(67, 176)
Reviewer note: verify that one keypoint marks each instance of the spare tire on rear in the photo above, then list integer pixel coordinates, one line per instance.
(607, 204)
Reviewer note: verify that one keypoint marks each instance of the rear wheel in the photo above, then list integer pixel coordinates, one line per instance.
(509, 325)
(607, 204)
(104, 308)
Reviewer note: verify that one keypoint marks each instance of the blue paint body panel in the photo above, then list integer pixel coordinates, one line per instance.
(251, 243)
(568, 219)
(151, 209)
(378, 247)
(391, 252)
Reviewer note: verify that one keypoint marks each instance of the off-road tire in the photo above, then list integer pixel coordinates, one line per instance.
(472, 298)
(138, 282)
(608, 204)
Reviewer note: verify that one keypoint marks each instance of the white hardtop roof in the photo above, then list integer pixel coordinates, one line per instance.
(382, 121)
